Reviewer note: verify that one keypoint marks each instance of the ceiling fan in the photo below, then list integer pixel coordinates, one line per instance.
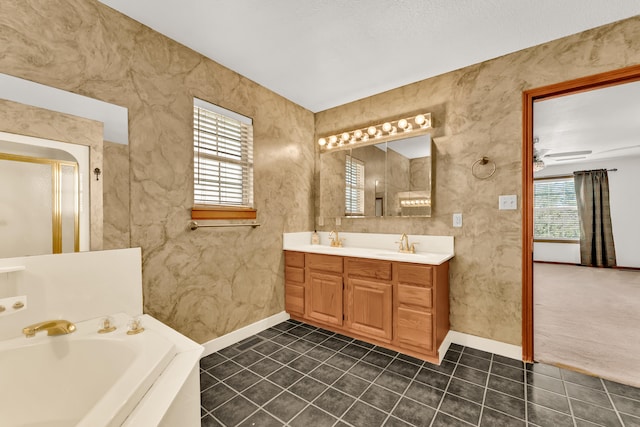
(538, 163)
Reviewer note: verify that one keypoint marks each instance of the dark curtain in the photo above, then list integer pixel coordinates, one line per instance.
(596, 233)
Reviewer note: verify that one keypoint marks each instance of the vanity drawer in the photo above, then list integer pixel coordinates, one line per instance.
(419, 275)
(294, 259)
(294, 274)
(371, 269)
(415, 296)
(415, 329)
(328, 263)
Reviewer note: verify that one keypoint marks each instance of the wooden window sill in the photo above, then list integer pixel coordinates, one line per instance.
(222, 212)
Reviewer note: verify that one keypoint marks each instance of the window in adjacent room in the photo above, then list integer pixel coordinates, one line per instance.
(354, 193)
(222, 163)
(555, 210)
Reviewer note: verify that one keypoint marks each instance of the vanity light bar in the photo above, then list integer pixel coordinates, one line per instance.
(378, 133)
(415, 202)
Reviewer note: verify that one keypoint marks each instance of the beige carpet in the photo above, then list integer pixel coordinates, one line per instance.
(588, 319)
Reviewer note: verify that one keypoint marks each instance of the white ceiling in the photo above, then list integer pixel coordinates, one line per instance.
(604, 122)
(324, 53)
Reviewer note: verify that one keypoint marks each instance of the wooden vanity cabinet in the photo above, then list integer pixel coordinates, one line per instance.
(398, 305)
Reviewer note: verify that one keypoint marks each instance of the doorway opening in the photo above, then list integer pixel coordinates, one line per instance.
(612, 78)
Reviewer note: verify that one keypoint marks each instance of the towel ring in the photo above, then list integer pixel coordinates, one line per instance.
(483, 162)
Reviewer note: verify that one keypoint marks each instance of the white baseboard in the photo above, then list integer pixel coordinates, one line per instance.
(453, 337)
(238, 335)
(479, 343)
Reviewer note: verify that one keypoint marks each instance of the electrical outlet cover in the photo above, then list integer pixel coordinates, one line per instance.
(509, 202)
(457, 220)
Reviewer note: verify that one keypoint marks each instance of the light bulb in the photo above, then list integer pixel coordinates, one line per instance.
(322, 142)
(386, 127)
(365, 137)
(345, 136)
(333, 139)
(420, 119)
(358, 134)
(372, 130)
(402, 123)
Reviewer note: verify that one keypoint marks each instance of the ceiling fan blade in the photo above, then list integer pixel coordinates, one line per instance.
(569, 154)
(621, 148)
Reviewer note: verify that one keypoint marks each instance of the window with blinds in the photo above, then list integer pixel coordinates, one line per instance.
(555, 210)
(223, 157)
(354, 193)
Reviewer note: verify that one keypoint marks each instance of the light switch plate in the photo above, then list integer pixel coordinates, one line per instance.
(509, 202)
(457, 220)
(338, 220)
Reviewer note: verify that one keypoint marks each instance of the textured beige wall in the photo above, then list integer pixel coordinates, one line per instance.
(478, 112)
(115, 177)
(207, 282)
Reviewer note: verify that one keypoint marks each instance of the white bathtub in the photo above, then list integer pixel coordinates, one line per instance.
(88, 379)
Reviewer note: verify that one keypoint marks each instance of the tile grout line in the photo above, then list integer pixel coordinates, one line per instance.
(447, 386)
(286, 389)
(486, 388)
(247, 368)
(613, 405)
(323, 362)
(365, 390)
(404, 391)
(372, 383)
(566, 393)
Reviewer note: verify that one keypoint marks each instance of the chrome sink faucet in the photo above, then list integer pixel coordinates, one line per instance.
(53, 327)
(405, 247)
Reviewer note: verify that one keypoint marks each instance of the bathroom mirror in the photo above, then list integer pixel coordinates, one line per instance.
(51, 145)
(391, 178)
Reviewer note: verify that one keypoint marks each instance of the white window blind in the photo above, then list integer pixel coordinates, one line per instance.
(354, 193)
(555, 210)
(223, 159)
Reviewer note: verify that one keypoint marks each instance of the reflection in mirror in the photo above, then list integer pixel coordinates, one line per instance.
(386, 179)
(408, 171)
(43, 210)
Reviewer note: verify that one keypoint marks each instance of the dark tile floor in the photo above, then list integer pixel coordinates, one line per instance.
(298, 375)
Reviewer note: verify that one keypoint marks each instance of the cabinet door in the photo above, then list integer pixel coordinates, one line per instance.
(415, 329)
(370, 308)
(324, 299)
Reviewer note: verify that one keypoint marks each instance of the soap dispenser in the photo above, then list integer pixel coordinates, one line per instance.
(315, 238)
